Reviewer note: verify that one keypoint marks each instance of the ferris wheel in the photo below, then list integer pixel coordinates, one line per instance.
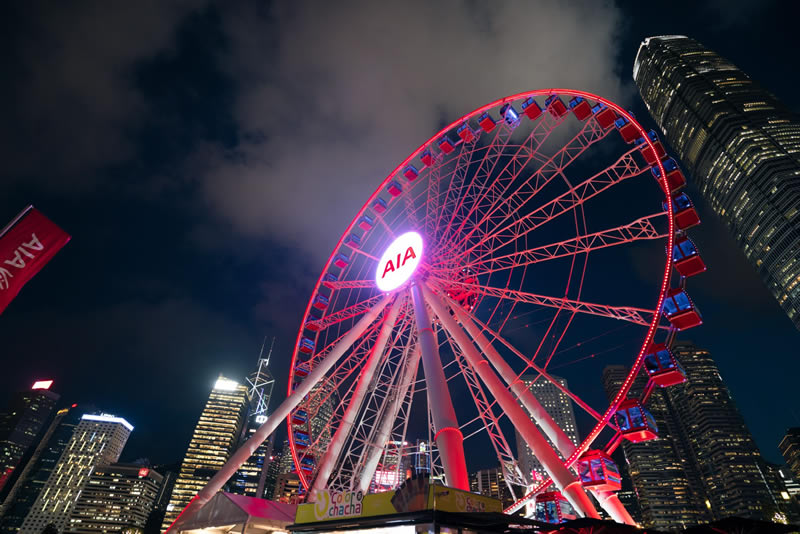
(542, 233)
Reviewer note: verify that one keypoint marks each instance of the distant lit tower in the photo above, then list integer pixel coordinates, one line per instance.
(117, 497)
(250, 479)
(660, 475)
(790, 449)
(214, 439)
(34, 476)
(721, 445)
(27, 417)
(97, 440)
(741, 146)
(559, 406)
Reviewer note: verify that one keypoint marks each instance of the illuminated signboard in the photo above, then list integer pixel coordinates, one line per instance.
(399, 261)
(143, 472)
(107, 418)
(42, 384)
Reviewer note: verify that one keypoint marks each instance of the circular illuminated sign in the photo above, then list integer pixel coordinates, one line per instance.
(399, 261)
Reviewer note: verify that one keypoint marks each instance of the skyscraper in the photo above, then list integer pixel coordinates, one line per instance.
(492, 483)
(790, 449)
(660, 475)
(213, 441)
(250, 479)
(98, 439)
(720, 444)
(559, 406)
(740, 145)
(25, 420)
(117, 497)
(34, 476)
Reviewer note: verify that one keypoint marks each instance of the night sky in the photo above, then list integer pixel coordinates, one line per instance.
(206, 157)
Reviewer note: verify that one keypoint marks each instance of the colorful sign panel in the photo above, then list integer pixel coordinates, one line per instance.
(399, 261)
(413, 497)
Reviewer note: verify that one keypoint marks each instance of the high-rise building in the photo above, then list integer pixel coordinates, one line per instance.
(559, 406)
(783, 507)
(250, 479)
(213, 441)
(98, 439)
(156, 517)
(34, 476)
(790, 449)
(287, 488)
(739, 144)
(719, 442)
(661, 476)
(27, 417)
(492, 483)
(116, 497)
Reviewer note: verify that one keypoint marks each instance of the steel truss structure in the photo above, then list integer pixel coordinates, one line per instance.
(527, 211)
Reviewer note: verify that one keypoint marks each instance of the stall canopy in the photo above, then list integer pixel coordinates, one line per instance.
(237, 514)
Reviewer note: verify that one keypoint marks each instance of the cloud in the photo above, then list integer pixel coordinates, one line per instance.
(332, 96)
(70, 89)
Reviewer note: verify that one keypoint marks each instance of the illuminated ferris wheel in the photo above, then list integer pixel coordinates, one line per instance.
(541, 233)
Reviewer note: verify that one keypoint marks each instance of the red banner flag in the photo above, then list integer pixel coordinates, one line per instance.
(26, 245)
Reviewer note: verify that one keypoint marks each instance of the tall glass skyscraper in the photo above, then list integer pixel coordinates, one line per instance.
(214, 439)
(739, 144)
(97, 440)
(21, 426)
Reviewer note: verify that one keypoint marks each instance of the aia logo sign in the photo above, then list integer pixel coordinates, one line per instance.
(399, 261)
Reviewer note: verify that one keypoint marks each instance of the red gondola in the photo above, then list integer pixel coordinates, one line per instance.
(680, 311)
(686, 259)
(299, 417)
(411, 173)
(555, 106)
(626, 129)
(301, 369)
(552, 507)
(662, 367)
(604, 115)
(341, 261)
(311, 324)
(580, 108)
(394, 188)
(321, 302)
(675, 178)
(353, 241)
(365, 223)
(486, 122)
(379, 205)
(598, 471)
(427, 157)
(446, 145)
(306, 346)
(328, 280)
(531, 108)
(465, 133)
(649, 156)
(685, 214)
(635, 422)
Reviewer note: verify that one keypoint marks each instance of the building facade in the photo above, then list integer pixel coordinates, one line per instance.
(34, 476)
(720, 444)
(21, 425)
(96, 440)
(560, 408)
(739, 144)
(214, 439)
(116, 497)
(790, 449)
(660, 475)
(492, 483)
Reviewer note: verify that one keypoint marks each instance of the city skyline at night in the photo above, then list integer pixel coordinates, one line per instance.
(586, 189)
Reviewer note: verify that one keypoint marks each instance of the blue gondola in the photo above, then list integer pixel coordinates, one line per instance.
(510, 114)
